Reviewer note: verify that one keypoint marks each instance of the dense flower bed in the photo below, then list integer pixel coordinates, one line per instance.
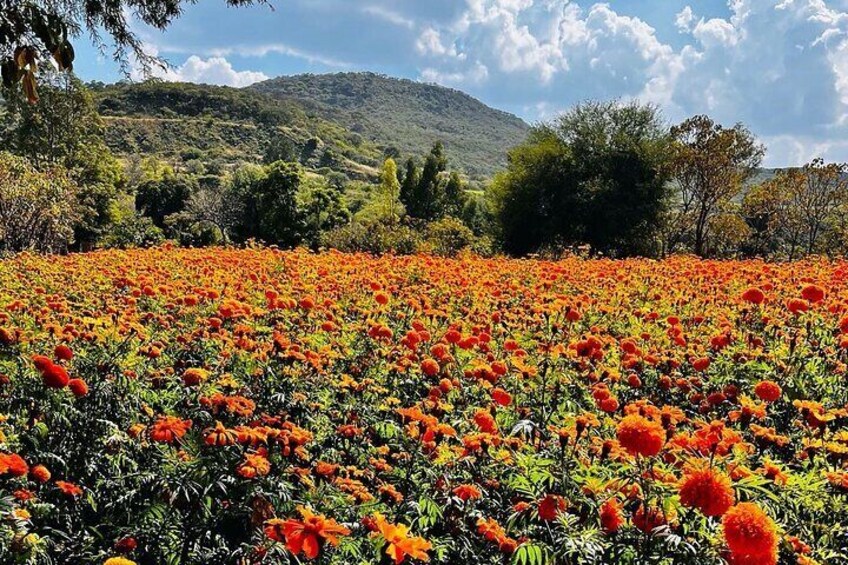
(257, 406)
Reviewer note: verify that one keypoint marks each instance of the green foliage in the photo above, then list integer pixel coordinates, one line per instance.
(63, 129)
(594, 176)
(374, 237)
(37, 208)
(158, 199)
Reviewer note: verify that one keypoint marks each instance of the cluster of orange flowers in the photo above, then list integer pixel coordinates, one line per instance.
(427, 409)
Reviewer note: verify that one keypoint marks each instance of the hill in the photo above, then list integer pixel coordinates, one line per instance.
(345, 122)
(408, 115)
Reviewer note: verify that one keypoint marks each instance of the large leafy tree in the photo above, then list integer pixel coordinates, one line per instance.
(64, 130)
(594, 176)
(32, 30)
(709, 165)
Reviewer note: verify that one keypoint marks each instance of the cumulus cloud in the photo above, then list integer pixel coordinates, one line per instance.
(780, 66)
(214, 70)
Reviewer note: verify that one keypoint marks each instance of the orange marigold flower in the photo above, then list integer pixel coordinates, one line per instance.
(749, 531)
(640, 436)
(467, 492)
(768, 391)
(118, 561)
(307, 535)
(400, 543)
(169, 429)
(254, 465)
(708, 490)
(13, 464)
(69, 489)
(430, 367)
(220, 436)
(40, 474)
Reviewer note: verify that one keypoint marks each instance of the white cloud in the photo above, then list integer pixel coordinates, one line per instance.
(389, 16)
(214, 70)
(475, 75)
(780, 66)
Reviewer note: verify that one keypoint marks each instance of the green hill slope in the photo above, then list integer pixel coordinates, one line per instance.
(408, 115)
(345, 122)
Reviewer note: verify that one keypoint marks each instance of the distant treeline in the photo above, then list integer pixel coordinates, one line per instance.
(604, 178)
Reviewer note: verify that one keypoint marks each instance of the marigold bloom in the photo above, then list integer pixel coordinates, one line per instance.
(13, 464)
(611, 516)
(118, 561)
(768, 391)
(69, 489)
(169, 429)
(254, 465)
(708, 490)
(63, 352)
(306, 535)
(400, 543)
(55, 376)
(430, 367)
(78, 387)
(40, 474)
(550, 507)
(812, 293)
(749, 531)
(467, 492)
(754, 295)
(640, 436)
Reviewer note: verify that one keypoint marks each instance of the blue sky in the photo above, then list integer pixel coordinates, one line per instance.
(779, 66)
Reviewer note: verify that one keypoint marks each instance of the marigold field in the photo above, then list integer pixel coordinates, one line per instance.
(258, 406)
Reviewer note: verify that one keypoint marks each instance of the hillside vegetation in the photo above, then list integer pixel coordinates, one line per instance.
(346, 122)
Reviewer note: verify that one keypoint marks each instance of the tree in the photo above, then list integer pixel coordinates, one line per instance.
(593, 176)
(709, 165)
(267, 204)
(321, 207)
(390, 187)
(158, 199)
(209, 207)
(795, 209)
(30, 30)
(410, 182)
(36, 207)
(454, 196)
(63, 129)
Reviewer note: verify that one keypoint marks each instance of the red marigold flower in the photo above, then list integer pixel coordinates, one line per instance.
(485, 422)
(749, 531)
(701, 364)
(768, 391)
(611, 517)
(55, 376)
(648, 519)
(307, 535)
(63, 352)
(812, 293)
(796, 305)
(78, 387)
(708, 490)
(640, 436)
(754, 295)
(551, 506)
(502, 397)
